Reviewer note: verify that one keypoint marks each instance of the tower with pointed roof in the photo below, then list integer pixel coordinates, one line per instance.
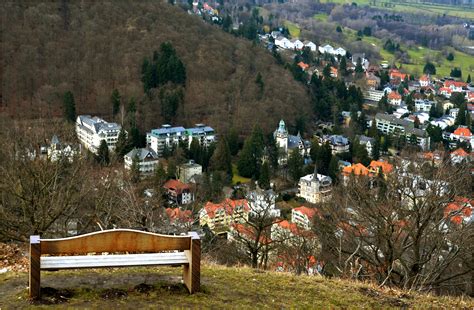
(281, 136)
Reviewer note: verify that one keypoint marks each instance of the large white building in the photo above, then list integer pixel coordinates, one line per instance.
(315, 187)
(189, 171)
(92, 130)
(168, 136)
(389, 124)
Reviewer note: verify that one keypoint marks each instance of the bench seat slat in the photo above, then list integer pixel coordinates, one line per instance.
(119, 260)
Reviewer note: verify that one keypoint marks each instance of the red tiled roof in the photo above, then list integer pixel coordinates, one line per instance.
(454, 83)
(357, 169)
(394, 95)
(178, 214)
(302, 65)
(247, 232)
(228, 205)
(176, 186)
(383, 165)
(459, 152)
(463, 132)
(309, 212)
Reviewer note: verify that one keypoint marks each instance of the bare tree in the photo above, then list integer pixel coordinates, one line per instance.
(396, 228)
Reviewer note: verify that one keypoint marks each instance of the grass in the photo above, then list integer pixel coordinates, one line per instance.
(417, 57)
(412, 7)
(222, 288)
(236, 178)
(292, 28)
(321, 17)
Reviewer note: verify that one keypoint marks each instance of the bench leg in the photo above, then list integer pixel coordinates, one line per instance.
(35, 275)
(192, 272)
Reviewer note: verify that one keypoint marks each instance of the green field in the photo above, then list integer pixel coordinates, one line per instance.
(417, 57)
(321, 17)
(414, 7)
(292, 28)
(236, 177)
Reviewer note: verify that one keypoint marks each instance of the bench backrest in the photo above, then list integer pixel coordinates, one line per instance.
(116, 240)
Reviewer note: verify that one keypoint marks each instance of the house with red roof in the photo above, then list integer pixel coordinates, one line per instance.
(459, 155)
(445, 91)
(219, 216)
(180, 218)
(303, 66)
(463, 134)
(394, 98)
(380, 166)
(425, 80)
(303, 216)
(460, 210)
(396, 74)
(178, 192)
(455, 86)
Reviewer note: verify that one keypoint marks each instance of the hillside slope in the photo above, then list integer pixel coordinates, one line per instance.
(93, 47)
(222, 288)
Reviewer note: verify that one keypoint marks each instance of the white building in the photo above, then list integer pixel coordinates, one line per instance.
(147, 160)
(284, 43)
(368, 142)
(339, 144)
(297, 44)
(303, 216)
(389, 124)
(315, 187)
(262, 203)
(310, 44)
(167, 136)
(423, 105)
(92, 130)
(326, 49)
(188, 171)
(373, 95)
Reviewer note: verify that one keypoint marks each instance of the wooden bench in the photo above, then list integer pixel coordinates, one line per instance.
(136, 248)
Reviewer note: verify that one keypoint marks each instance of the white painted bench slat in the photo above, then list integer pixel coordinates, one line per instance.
(113, 260)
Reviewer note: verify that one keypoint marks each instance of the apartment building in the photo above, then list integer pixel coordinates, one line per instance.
(92, 130)
(389, 124)
(315, 187)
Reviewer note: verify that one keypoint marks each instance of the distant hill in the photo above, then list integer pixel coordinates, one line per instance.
(93, 47)
(222, 288)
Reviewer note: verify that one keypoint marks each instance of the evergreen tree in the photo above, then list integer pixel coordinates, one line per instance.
(221, 160)
(259, 82)
(272, 152)
(264, 178)
(327, 71)
(413, 140)
(233, 141)
(227, 23)
(376, 149)
(333, 169)
(359, 153)
(429, 68)
(69, 107)
(246, 165)
(457, 99)
(160, 175)
(456, 72)
(135, 169)
(373, 131)
(103, 157)
(115, 99)
(123, 145)
(468, 121)
(435, 133)
(468, 80)
(461, 117)
(171, 169)
(358, 68)
(295, 165)
(195, 150)
(135, 140)
(343, 66)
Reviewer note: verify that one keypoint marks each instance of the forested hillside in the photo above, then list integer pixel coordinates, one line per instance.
(91, 48)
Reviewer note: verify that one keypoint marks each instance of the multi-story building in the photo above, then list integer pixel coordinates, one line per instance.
(188, 171)
(423, 105)
(368, 142)
(147, 160)
(315, 187)
(92, 130)
(219, 216)
(389, 124)
(167, 136)
(303, 216)
(374, 95)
